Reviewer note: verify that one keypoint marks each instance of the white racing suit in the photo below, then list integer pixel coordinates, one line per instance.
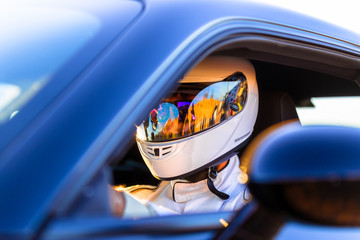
(181, 196)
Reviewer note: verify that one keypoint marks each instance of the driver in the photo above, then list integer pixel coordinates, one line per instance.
(191, 139)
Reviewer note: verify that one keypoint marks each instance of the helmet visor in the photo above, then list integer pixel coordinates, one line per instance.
(193, 108)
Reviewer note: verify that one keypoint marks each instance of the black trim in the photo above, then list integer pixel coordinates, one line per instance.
(212, 176)
(197, 176)
(203, 174)
(143, 187)
(166, 153)
(173, 192)
(212, 189)
(157, 152)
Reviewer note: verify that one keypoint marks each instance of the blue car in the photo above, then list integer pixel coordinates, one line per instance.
(76, 77)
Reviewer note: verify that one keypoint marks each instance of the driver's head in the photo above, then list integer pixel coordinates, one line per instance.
(203, 122)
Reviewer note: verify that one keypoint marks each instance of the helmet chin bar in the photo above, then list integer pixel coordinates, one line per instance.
(202, 172)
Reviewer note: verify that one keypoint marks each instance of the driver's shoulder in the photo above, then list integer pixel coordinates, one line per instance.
(146, 191)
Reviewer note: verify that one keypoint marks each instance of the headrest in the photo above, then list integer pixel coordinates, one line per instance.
(274, 107)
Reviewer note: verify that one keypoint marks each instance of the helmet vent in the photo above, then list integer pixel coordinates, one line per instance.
(156, 152)
(165, 153)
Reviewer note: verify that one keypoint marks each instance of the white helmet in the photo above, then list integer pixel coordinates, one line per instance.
(203, 122)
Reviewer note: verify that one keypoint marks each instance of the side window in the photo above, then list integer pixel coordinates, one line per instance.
(342, 111)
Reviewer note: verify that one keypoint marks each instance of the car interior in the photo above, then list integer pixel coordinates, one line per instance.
(288, 76)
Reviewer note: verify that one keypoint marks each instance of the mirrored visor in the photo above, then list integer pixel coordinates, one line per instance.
(193, 108)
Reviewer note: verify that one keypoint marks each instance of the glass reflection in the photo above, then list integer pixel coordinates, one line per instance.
(194, 107)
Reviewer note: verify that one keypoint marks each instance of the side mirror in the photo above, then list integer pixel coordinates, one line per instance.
(311, 173)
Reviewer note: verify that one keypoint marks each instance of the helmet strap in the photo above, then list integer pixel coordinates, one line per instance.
(212, 174)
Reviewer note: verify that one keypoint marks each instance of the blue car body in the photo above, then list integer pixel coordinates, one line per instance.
(57, 148)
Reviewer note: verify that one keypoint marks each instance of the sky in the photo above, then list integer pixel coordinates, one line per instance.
(344, 13)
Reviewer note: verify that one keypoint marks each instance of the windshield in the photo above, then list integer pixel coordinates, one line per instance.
(33, 47)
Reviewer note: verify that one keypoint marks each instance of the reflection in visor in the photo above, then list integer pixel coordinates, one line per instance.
(194, 107)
